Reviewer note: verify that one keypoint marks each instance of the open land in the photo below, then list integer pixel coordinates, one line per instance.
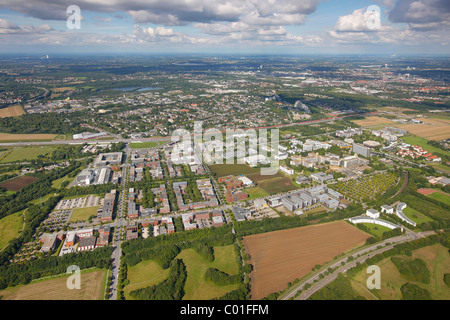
(18, 183)
(283, 256)
(13, 111)
(92, 288)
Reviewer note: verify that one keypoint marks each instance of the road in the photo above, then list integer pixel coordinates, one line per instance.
(119, 225)
(342, 265)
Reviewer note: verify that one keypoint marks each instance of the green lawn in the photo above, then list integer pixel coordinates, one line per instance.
(57, 183)
(83, 214)
(142, 145)
(26, 153)
(10, 227)
(196, 287)
(440, 197)
(416, 216)
(375, 229)
(144, 274)
(255, 192)
(148, 273)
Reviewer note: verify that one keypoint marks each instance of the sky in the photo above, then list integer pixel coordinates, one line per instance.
(226, 26)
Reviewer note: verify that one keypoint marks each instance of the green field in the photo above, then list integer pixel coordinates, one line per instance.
(148, 273)
(144, 274)
(440, 197)
(255, 192)
(83, 214)
(375, 229)
(26, 153)
(10, 227)
(415, 140)
(57, 183)
(437, 260)
(222, 170)
(143, 145)
(416, 216)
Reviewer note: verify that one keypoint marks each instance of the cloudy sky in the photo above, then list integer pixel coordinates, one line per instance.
(227, 26)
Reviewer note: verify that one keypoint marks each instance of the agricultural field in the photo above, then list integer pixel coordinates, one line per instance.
(282, 256)
(366, 187)
(437, 261)
(92, 288)
(13, 111)
(26, 153)
(18, 183)
(232, 169)
(83, 214)
(9, 137)
(10, 227)
(272, 184)
(148, 273)
(427, 131)
(373, 121)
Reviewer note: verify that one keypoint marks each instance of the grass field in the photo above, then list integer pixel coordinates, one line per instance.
(416, 216)
(148, 273)
(83, 214)
(57, 183)
(255, 192)
(10, 227)
(16, 184)
(440, 197)
(282, 256)
(8, 137)
(13, 111)
(232, 169)
(142, 145)
(414, 140)
(92, 288)
(376, 230)
(437, 260)
(144, 274)
(26, 153)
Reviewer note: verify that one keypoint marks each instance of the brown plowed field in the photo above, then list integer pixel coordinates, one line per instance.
(92, 286)
(282, 256)
(18, 183)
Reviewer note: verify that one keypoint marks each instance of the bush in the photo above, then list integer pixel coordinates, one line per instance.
(413, 270)
(412, 292)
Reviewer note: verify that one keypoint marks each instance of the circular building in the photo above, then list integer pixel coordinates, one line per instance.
(372, 144)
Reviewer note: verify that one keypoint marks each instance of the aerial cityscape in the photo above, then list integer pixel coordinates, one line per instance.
(225, 150)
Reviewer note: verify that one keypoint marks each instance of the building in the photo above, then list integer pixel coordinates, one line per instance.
(387, 209)
(50, 241)
(372, 213)
(241, 214)
(302, 179)
(399, 212)
(322, 177)
(260, 203)
(286, 169)
(218, 221)
(86, 243)
(236, 195)
(104, 159)
(246, 181)
(361, 150)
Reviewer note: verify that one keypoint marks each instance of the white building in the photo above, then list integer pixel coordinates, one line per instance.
(372, 213)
